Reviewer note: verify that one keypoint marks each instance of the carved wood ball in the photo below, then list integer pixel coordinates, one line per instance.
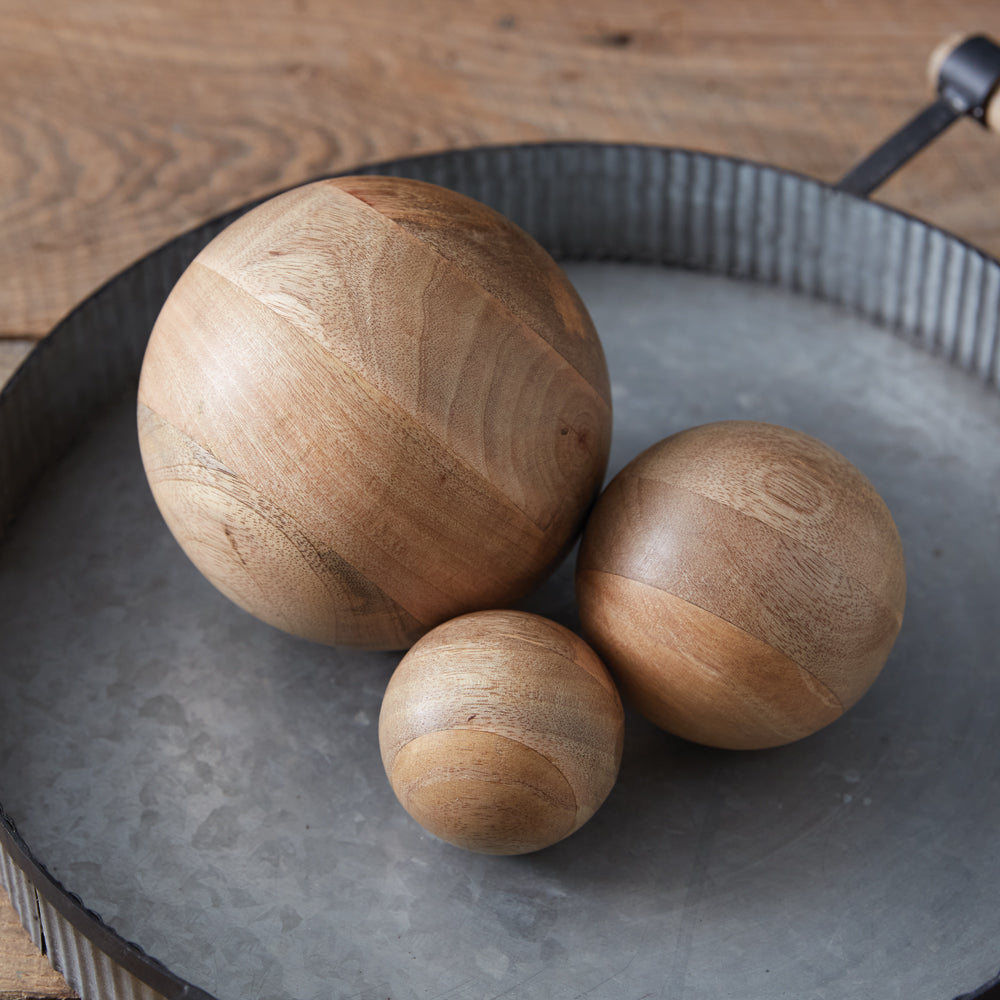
(501, 732)
(744, 582)
(372, 404)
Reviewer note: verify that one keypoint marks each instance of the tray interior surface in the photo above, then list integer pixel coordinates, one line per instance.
(213, 789)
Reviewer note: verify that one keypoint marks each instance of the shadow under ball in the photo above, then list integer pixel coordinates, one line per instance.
(372, 404)
(501, 732)
(744, 583)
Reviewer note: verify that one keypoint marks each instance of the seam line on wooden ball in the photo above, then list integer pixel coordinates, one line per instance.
(604, 686)
(407, 424)
(644, 583)
(408, 792)
(786, 538)
(515, 319)
(511, 739)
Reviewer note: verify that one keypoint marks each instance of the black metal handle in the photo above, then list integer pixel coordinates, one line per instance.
(968, 78)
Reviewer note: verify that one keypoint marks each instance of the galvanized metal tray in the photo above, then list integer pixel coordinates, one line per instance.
(194, 803)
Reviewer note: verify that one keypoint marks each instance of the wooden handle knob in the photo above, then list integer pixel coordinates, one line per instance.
(974, 74)
(940, 54)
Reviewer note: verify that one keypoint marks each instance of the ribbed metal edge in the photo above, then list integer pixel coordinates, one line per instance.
(96, 961)
(92, 972)
(23, 897)
(581, 201)
(740, 219)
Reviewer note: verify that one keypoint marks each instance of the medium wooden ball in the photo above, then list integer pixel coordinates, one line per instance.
(501, 732)
(372, 404)
(744, 582)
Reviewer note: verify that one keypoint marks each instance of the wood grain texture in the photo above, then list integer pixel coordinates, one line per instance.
(501, 732)
(123, 124)
(744, 582)
(351, 434)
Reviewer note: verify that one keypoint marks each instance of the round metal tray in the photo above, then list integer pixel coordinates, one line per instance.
(212, 788)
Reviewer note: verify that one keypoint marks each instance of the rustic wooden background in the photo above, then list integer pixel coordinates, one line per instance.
(124, 122)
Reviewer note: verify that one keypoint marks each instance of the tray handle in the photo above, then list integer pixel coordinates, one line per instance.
(965, 73)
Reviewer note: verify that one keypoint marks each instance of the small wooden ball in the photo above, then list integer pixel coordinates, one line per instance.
(501, 732)
(744, 582)
(372, 404)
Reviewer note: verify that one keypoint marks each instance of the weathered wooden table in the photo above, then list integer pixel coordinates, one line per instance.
(123, 124)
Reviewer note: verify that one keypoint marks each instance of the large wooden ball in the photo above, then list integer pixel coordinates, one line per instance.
(501, 732)
(744, 582)
(372, 404)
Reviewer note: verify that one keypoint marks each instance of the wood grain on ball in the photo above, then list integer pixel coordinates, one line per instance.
(501, 732)
(744, 581)
(412, 442)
